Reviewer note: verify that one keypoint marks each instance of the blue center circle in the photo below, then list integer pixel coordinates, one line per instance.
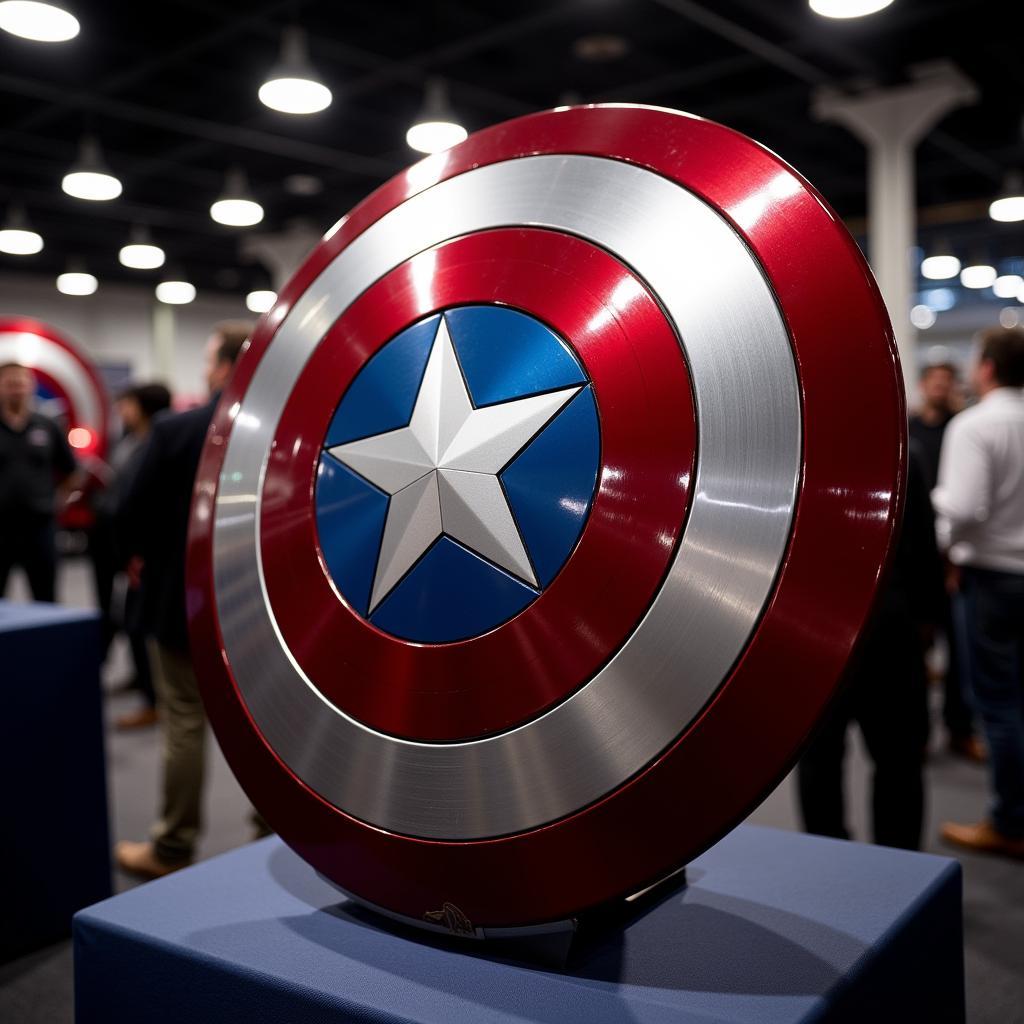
(455, 589)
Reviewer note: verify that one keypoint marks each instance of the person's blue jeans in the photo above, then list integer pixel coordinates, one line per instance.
(991, 608)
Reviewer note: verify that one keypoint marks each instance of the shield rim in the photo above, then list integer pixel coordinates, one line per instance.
(814, 267)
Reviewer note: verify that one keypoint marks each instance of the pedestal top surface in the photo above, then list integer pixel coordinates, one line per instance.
(770, 925)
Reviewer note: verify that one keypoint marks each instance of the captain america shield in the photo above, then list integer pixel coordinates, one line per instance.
(540, 518)
(67, 384)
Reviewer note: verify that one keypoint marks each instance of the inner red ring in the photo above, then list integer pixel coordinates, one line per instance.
(456, 691)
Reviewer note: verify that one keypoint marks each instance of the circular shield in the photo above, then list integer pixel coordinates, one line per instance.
(67, 384)
(538, 523)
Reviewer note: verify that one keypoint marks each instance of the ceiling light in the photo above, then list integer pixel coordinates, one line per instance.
(42, 23)
(89, 177)
(292, 86)
(436, 128)
(1010, 205)
(980, 275)
(260, 300)
(939, 268)
(1008, 286)
(175, 292)
(922, 317)
(847, 8)
(16, 236)
(1009, 316)
(75, 281)
(141, 253)
(236, 207)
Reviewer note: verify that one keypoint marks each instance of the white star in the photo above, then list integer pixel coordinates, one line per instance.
(441, 471)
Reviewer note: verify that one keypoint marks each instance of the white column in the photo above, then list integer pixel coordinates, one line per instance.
(891, 122)
(163, 343)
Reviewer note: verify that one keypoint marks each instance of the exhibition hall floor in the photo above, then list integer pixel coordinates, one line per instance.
(38, 988)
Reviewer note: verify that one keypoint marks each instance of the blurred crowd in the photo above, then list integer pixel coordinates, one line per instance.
(140, 502)
(955, 589)
(956, 584)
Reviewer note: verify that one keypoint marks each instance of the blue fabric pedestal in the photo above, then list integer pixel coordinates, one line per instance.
(54, 838)
(774, 926)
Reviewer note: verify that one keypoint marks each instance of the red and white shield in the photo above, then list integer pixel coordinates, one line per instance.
(647, 696)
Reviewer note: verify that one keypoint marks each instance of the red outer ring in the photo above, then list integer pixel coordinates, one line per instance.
(460, 690)
(26, 325)
(847, 512)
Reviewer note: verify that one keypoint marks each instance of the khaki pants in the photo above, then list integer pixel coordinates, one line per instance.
(183, 723)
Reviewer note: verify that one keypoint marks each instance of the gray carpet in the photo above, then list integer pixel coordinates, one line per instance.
(38, 989)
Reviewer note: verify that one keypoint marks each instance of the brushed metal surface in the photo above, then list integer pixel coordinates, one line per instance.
(722, 574)
(39, 353)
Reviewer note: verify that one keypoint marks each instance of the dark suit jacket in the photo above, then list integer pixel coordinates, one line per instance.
(154, 514)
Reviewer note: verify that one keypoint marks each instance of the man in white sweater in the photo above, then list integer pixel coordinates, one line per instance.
(979, 504)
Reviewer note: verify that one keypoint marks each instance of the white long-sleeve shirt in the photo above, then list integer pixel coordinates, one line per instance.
(979, 498)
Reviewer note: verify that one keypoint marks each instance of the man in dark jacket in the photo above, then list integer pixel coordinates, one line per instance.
(34, 460)
(155, 515)
(885, 693)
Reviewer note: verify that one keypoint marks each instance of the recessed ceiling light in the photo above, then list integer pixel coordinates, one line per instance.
(141, 253)
(76, 282)
(436, 129)
(939, 268)
(175, 293)
(979, 275)
(847, 8)
(17, 237)
(292, 87)
(89, 177)
(236, 207)
(1009, 207)
(1008, 286)
(42, 23)
(260, 301)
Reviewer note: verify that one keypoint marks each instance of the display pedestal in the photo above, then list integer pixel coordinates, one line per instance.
(54, 839)
(772, 926)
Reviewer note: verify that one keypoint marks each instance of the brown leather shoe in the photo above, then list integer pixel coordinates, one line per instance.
(141, 719)
(970, 748)
(983, 838)
(141, 859)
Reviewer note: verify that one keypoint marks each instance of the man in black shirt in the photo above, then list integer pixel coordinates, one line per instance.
(939, 404)
(885, 693)
(34, 459)
(154, 516)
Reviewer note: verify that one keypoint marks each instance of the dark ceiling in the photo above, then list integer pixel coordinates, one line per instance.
(170, 89)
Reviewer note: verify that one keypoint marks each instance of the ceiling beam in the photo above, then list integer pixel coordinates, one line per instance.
(235, 135)
(861, 64)
(123, 79)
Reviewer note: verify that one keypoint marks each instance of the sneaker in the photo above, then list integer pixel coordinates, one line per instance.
(141, 859)
(983, 838)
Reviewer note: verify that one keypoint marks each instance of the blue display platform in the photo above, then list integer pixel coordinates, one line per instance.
(54, 837)
(773, 927)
